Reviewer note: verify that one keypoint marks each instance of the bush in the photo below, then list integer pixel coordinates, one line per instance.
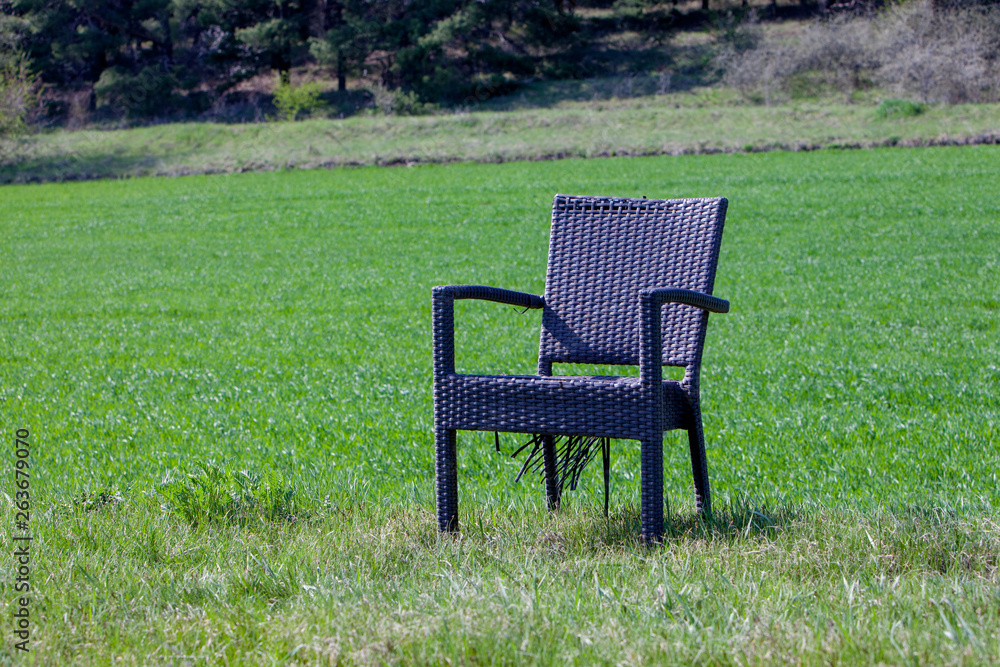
(760, 73)
(941, 56)
(917, 50)
(398, 102)
(19, 91)
(291, 100)
(430, 76)
(149, 93)
(756, 67)
(899, 109)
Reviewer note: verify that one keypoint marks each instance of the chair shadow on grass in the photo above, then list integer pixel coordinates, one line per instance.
(581, 525)
(740, 519)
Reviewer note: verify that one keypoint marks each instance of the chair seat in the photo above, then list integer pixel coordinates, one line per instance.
(593, 405)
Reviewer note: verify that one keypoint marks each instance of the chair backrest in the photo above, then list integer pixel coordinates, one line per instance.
(602, 252)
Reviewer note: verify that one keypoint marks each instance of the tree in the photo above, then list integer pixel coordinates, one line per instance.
(352, 34)
(75, 42)
(473, 50)
(144, 57)
(279, 31)
(19, 85)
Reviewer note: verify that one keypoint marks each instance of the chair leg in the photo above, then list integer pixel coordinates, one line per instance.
(446, 474)
(699, 467)
(553, 490)
(652, 489)
(606, 459)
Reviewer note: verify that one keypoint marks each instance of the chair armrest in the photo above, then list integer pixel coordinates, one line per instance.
(651, 339)
(484, 293)
(712, 304)
(443, 316)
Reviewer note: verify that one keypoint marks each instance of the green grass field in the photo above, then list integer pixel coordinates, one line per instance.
(227, 381)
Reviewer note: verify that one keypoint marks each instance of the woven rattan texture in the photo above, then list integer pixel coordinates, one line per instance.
(602, 252)
(614, 407)
(618, 272)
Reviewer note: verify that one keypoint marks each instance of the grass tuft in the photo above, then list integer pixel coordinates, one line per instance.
(223, 495)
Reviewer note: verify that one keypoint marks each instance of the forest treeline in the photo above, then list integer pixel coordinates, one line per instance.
(146, 58)
(186, 53)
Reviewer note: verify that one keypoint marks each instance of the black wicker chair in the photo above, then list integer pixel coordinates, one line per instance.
(629, 282)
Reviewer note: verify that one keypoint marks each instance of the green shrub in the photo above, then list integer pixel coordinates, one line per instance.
(899, 109)
(151, 92)
(291, 100)
(398, 102)
(19, 89)
(629, 8)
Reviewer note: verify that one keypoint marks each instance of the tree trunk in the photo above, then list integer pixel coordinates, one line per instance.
(168, 41)
(317, 22)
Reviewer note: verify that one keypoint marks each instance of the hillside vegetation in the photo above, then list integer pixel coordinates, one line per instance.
(134, 62)
(703, 121)
(761, 77)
